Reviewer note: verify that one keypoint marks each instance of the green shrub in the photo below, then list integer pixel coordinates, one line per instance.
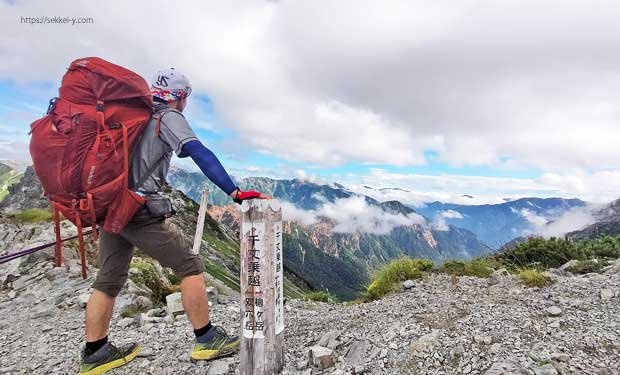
(541, 254)
(32, 215)
(386, 279)
(534, 278)
(321, 296)
(477, 267)
(423, 265)
(586, 266)
(602, 247)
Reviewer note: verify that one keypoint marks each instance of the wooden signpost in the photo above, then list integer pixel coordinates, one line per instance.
(262, 289)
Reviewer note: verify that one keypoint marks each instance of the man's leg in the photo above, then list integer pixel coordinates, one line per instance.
(194, 298)
(114, 257)
(98, 315)
(163, 242)
(99, 355)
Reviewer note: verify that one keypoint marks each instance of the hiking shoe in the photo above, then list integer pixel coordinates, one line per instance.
(107, 358)
(214, 344)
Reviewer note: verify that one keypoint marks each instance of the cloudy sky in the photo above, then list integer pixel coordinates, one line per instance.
(493, 99)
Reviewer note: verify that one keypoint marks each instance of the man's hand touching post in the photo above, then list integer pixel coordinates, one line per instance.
(239, 195)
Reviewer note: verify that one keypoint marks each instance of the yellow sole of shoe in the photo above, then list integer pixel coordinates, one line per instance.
(205, 355)
(114, 364)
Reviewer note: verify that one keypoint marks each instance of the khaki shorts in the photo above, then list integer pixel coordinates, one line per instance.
(157, 238)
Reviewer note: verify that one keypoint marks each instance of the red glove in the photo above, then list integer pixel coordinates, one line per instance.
(243, 195)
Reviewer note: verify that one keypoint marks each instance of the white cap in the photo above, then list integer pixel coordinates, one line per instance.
(170, 84)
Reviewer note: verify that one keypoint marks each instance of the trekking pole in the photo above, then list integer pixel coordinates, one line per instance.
(200, 223)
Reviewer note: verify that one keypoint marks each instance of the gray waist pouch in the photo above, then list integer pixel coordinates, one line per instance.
(159, 206)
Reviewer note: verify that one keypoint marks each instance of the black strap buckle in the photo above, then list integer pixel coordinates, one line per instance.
(52, 105)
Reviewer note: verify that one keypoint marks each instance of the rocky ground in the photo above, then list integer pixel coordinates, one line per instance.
(439, 325)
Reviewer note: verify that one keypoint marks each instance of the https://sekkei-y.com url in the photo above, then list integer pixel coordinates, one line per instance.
(56, 20)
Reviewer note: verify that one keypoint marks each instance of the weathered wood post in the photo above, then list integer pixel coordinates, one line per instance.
(262, 289)
(200, 223)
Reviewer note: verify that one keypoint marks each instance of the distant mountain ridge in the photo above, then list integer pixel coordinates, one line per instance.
(324, 258)
(500, 223)
(9, 175)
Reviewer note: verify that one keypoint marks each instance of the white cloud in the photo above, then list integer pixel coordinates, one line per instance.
(570, 221)
(290, 212)
(352, 215)
(534, 219)
(557, 226)
(439, 223)
(503, 84)
(451, 214)
(597, 187)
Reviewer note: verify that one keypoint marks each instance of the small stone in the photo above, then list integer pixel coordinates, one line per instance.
(383, 354)
(329, 336)
(146, 352)
(606, 294)
(554, 311)
(547, 369)
(479, 339)
(125, 322)
(561, 357)
(359, 369)
(301, 364)
(425, 344)
(218, 367)
(321, 357)
(82, 299)
(43, 311)
(495, 348)
(174, 304)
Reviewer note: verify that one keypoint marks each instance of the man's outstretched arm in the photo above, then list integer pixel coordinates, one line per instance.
(213, 169)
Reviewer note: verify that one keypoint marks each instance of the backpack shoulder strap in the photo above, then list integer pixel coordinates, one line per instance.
(161, 113)
(149, 172)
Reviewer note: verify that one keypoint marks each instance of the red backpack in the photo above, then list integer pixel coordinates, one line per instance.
(81, 148)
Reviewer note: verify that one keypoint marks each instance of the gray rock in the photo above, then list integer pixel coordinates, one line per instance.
(218, 367)
(82, 299)
(561, 357)
(125, 322)
(328, 337)
(547, 369)
(554, 311)
(506, 367)
(356, 355)
(606, 294)
(42, 311)
(321, 357)
(425, 344)
(174, 305)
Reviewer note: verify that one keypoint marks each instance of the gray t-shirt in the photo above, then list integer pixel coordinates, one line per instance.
(174, 132)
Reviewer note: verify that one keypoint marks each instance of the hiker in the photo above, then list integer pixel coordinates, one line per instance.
(148, 230)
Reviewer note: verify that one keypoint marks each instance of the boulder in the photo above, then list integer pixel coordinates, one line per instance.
(321, 357)
(174, 304)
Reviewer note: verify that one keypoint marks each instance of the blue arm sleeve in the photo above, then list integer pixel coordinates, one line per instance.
(209, 165)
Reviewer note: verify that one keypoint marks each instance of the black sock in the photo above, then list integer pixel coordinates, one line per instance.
(93, 346)
(201, 331)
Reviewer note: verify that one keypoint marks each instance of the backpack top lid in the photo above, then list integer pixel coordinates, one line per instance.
(92, 79)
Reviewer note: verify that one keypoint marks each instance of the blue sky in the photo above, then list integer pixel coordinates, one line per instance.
(444, 99)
